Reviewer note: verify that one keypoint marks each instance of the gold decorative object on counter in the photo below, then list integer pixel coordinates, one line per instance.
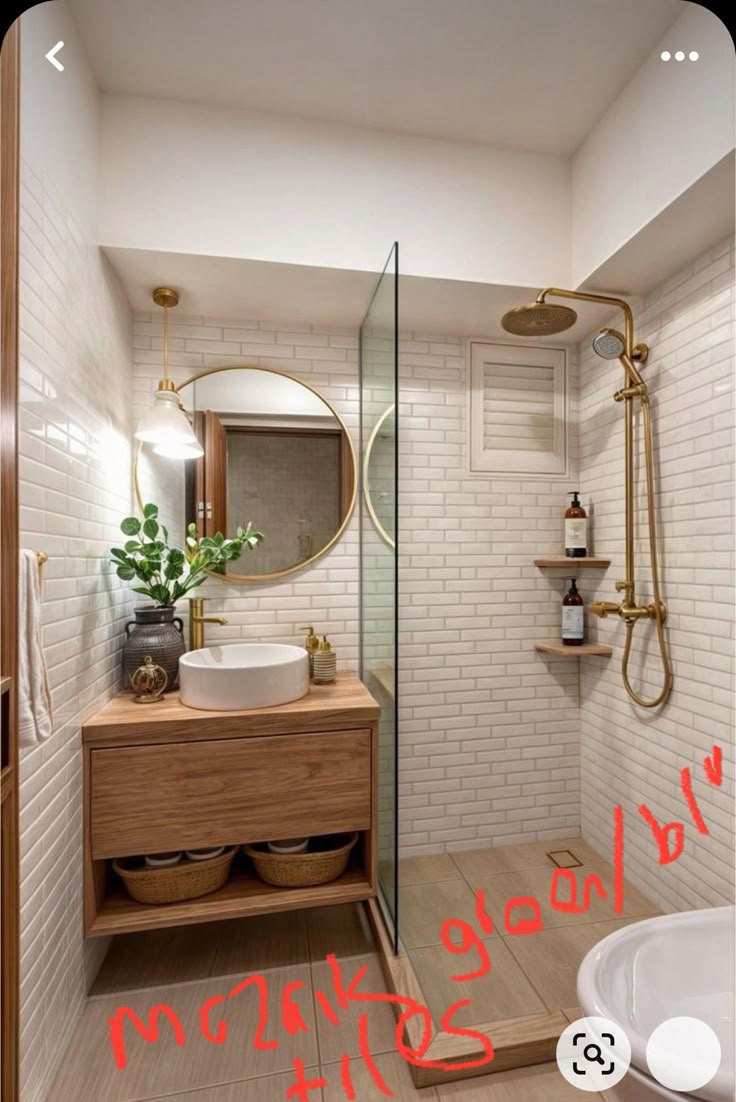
(149, 682)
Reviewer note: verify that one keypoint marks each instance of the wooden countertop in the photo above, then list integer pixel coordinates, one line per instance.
(343, 705)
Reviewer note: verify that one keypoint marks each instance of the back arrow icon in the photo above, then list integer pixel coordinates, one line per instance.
(51, 56)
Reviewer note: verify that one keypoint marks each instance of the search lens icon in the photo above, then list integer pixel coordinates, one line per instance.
(593, 1054)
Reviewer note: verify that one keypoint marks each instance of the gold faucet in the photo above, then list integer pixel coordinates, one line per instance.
(197, 621)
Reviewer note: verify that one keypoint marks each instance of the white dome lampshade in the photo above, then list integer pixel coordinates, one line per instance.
(165, 424)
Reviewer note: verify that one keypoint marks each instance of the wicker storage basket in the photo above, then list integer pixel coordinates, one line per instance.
(303, 870)
(187, 880)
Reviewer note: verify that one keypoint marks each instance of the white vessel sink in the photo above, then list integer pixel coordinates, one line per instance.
(243, 675)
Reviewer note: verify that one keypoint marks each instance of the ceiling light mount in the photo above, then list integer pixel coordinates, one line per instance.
(164, 296)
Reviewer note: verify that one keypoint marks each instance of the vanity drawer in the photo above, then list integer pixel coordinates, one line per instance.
(149, 799)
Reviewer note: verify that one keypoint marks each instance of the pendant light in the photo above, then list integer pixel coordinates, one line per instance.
(165, 424)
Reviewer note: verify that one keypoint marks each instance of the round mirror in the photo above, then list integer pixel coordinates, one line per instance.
(277, 456)
(379, 475)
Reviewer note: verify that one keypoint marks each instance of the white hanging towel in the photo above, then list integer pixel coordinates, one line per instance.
(35, 722)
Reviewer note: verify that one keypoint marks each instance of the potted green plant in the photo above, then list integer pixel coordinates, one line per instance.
(166, 575)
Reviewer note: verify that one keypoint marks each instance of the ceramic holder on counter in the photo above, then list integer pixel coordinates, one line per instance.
(155, 633)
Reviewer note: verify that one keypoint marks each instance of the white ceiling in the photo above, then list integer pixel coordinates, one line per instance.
(520, 74)
(224, 287)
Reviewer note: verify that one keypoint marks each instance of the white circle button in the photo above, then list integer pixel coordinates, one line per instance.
(693, 55)
(679, 55)
(593, 1054)
(683, 1054)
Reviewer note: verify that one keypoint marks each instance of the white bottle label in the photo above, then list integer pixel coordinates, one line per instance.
(576, 530)
(572, 621)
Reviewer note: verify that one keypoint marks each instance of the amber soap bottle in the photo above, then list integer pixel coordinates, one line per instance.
(576, 529)
(573, 621)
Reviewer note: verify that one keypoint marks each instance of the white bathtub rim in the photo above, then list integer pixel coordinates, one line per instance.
(591, 1002)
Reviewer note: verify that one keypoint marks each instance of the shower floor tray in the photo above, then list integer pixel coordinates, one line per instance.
(520, 987)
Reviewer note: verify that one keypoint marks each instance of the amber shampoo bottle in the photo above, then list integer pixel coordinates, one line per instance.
(573, 626)
(576, 529)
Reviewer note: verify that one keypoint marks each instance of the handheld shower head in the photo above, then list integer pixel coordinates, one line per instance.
(538, 319)
(609, 344)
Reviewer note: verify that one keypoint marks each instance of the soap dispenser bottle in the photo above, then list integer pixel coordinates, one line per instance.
(573, 625)
(576, 529)
(325, 663)
(310, 645)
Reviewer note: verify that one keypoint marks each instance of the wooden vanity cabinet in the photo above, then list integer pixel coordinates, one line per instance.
(166, 777)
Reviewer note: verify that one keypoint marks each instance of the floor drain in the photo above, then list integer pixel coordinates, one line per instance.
(564, 859)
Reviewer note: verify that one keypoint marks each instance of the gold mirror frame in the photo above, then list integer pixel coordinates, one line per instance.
(366, 483)
(255, 579)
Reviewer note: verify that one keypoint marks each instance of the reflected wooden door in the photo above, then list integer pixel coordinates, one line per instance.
(210, 478)
(215, 474)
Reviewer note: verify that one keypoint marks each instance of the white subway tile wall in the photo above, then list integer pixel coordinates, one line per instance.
(629, 755)
(489, 728)
(74, 465)
(488, 732)
(326, 593)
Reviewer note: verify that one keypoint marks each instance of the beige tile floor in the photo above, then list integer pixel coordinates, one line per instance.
(184, 967)
(528, 975)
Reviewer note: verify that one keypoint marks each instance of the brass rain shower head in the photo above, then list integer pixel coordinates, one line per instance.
(538, 319)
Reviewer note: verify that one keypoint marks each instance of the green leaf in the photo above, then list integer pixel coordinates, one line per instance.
(150, 528)
(165, 531)
(127, 573)
(118, 553)
(131, 526)
(132, 545)
(150, 510)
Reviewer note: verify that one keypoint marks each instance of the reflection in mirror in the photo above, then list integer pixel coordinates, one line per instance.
(276, 455)
(379, 475)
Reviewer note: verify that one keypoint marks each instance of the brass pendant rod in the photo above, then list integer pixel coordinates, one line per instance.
(166, 341)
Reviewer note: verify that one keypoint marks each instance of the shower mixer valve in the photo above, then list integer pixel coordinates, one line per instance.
(627, 610)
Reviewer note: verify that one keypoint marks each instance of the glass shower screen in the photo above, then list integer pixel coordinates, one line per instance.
(379, 342)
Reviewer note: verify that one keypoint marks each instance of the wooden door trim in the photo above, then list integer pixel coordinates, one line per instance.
(9, 233)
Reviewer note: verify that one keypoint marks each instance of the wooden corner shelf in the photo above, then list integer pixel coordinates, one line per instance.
(563, 562)
(243, 894)
(562, 650)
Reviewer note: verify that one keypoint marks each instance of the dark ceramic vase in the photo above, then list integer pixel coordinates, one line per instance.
(155, 631)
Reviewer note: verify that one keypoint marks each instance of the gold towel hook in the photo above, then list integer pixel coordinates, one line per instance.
(41, 558)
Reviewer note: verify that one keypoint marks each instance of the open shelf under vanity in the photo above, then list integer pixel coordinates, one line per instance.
(563, 650)
(243, 895)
